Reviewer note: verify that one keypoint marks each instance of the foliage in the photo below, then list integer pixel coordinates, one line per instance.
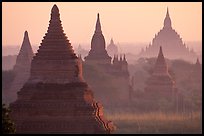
(7, 125)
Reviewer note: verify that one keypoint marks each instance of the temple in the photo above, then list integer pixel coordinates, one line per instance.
(170, 40)
(98, 53)
(160, 83)
(108, 72)
(21, 69)
(56, 98)
(112, 48)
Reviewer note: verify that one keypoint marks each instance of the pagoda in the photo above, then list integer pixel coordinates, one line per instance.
(109, 78)
(112, 48)
(160, 82)
(170, 40)
(98, 53)
(56, 99)
(21, 69)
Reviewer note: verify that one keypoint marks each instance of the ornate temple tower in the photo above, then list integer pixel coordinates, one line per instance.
(56, 99)
(21, 69)
(170, 40)
(98, 53)
(160, 81)
(112, 48)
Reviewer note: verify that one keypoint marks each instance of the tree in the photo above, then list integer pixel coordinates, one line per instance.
(7, 124)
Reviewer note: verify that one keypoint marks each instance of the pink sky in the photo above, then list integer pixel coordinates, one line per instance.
(125, 22)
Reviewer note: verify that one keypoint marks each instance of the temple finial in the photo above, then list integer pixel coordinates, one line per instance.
(98, 25)
(167, 13)
(55, 8)
(26, 34)
(167, 20)
(55, 12)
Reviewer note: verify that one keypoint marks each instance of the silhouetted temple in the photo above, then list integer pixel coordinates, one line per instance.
(114, 71)
(170, 40)
(98, 53)
(56, 99)
(112, 48)
(198, 67)
(21, 69)
(160, 82)
(25, 56)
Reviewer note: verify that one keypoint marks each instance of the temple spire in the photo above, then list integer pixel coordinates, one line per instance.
(197, 64)
(26, 48)
(111, 42)
(98, 25)
(167, 20)
(161, 66)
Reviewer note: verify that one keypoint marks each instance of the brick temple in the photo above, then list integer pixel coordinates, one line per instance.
(56, 99)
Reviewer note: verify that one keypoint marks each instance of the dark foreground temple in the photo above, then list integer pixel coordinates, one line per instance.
(56, 99)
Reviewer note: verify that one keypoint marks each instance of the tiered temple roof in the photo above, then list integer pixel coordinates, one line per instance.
(160, 80)
(56, 99)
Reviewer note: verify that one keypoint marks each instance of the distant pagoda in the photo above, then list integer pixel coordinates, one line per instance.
(56, 99)
(170, 40)
(25, 56)
(98, 53)
(21, 69)
(112, 48)
(160, 82)
(196, 74)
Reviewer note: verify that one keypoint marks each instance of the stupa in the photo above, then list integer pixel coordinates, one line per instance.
(21, 69)
(56, 99)
(98, 53)
(112, 48)
(110, 78)
(160, 82)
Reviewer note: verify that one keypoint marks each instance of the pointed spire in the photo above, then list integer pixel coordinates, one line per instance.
(167, 20)
(167, 13)
(98, 25)
(111, 42)
(198, 63)
(55, 12)
(26, 46)
(160, 66)
(25, 55)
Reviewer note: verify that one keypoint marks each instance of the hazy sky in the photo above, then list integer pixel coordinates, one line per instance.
(131, 22)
